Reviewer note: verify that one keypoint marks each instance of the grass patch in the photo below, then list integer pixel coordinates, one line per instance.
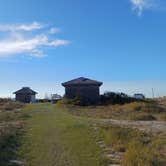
(119, 137)
(9, 106)
(142, 116)
(9, 142)
(11, 129)
(55, 137)
(139, 154)
(13, 116)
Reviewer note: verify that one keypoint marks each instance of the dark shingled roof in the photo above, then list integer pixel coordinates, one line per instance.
(82, 81)
(25, 90)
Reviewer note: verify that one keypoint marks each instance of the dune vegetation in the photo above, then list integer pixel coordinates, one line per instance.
(61, 134)
(129, 111)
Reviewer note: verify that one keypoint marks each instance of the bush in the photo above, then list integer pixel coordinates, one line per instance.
(116, 98)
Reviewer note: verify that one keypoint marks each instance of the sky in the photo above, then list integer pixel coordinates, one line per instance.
(46, 42)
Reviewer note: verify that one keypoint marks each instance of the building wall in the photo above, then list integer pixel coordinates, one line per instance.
(25, 98)
(139, 96)
(88, 93)
(33, 98)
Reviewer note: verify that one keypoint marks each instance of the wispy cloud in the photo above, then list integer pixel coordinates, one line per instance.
(21, 27)
(54, 30)
(18, 41)
(140, 5)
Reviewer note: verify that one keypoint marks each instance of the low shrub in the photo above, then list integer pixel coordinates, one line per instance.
(116, 98)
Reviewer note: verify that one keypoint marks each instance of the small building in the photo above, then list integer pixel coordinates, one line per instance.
(25, 95)
(55, 98)
(85, 89)
(139, 96)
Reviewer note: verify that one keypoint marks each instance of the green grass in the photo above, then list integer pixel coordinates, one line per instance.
(55, 137)
(119, 137)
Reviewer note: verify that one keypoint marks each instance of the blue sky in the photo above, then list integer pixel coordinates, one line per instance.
(46, 42)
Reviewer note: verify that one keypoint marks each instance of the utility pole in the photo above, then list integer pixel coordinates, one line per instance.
(152, 93)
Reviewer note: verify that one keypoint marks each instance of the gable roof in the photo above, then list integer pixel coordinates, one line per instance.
(25, 90)
(82, 81)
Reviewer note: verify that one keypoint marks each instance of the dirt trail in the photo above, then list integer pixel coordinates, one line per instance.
(153, 126)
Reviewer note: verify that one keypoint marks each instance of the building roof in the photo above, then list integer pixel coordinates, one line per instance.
(25, 90)
(82, 81)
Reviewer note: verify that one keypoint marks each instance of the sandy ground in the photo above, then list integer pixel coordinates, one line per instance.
(153, 126)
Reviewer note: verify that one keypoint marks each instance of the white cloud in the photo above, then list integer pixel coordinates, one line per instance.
(28, 45)
(21, 27)
(19, 42)
(140, 5)
(54, 30)
(58, 42)
(37, 53)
